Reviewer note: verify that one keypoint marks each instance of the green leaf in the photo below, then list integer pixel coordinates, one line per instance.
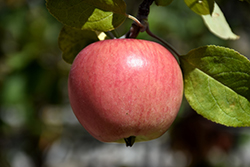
(218, 25)
(163, 2)
(72, 41)
(98, 15)
(103, 21)
(201, 7)
(217, 84)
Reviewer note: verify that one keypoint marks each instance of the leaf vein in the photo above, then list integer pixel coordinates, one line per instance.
(242, 107)
(196, 97)
(104, 18)
(220, 108)
(232, 72)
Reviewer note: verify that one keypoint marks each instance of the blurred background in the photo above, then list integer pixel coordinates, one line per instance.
(38, 127)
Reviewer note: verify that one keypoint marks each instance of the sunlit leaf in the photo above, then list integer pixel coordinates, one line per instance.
(72, 41)
(99, 15)
(201, 7)
(163, 2)
(218, 25)
(217, 84)
(103, 21)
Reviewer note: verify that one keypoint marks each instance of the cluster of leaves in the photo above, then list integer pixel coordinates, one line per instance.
(105, 15)
(217, 79)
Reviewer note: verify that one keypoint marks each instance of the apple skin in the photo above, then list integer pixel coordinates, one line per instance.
(125, 87)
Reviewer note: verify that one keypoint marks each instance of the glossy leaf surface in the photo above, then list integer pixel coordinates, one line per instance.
(201, 7)
(217, 84)
(218, 25)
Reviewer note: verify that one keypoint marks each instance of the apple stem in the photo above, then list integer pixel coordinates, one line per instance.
(171, 48)
(129, 141)
(140, 24)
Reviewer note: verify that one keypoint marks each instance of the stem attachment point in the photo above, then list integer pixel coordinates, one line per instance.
(129, 141)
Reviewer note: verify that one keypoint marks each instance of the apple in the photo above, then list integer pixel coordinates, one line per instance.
(125, 90)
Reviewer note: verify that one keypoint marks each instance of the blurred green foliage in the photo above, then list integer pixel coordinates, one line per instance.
(33, 75)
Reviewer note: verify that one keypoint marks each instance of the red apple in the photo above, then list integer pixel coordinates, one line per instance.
(125, 89)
